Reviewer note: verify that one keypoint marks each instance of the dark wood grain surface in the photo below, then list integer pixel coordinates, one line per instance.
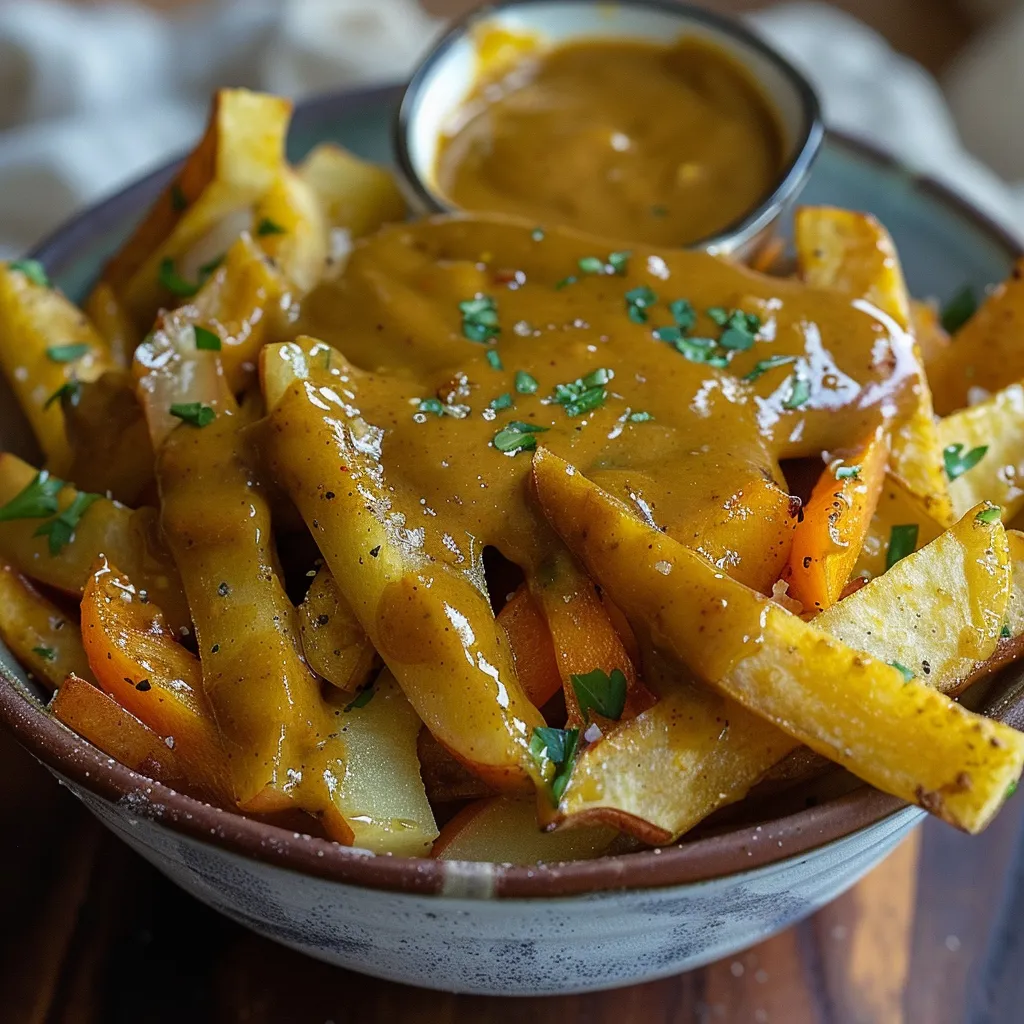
(91, 934)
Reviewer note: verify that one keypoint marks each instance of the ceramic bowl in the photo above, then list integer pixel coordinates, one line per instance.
(448, 73)
(487, 928)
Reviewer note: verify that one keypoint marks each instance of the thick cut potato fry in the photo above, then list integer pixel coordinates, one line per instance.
(897, 507)
(855, 254)
(446, 779)
(235, 164)
(381, 793)
(828, 540)
(455, 668)
(533, 650)
(292, 230)
(938, 612)
(112, 322)
(504, 830)
(996, 424)
(987, 353)
(105, 724)
(38, 633)
(45, 342)
(932, 339)
(138, 662)
(355, 195)
(130, 539)
(334, 644)
(902, 737)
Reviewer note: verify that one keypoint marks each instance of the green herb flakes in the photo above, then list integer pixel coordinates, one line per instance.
(1005, 633)
(762, 367)
(556, 747)
(517, 437)
(847, 472)
(194, 413)
(638, 301)
(683, 313)
(502, 402)
(434, 406)
(585, 394)
(989, 515)
(494, 359)
(902, 542)
(903, 671)
(46, 653)
(33, 270)
(537, 234)
(72, 390)
(959, 310)
(362, 698)
(598, 691)
(799, 393)
(565, 282)
(640, 417)
(60, 530)
(591, 265)
(173, 281)
(526, 384)
(269, 227)
(480, 318)
(958, 462)
(67, 353)
(36, 501)
(206, 340)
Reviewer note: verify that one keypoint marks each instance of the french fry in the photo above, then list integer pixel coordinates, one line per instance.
(355, 195)
(997, 426)
(902, 737)
(459, 677)
(855, 254)
(532, 647)
(387, 810)
(137, 661)
(38, 633)
(938, 612)
(503, 830)
(932, 339)
(81, 706)
(333, 643)
(45, 344)
(130, 539)
(290, 226)
(987, 353)
(828, 540)
(445, 778)
(199, 215)
(114, 325)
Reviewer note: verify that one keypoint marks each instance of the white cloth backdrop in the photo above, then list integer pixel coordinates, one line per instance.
(92, 97)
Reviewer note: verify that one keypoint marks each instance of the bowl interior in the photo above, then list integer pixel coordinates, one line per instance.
(448, 74)
(943, 244)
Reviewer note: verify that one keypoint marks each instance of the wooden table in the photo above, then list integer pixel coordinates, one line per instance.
(91, 934)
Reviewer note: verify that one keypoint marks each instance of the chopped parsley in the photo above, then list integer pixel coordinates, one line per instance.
(959, 310)
(902, 542)
(659, 211)
(616, 263)
(526, 384)
(46, 653)
(33, 270)
(638, 301)
(799, 393)
(269, 227)
(207, 269)
(206, 340)
(639, 417)
(194, 413)
(36, 501)
(173, 281)
(765, 365)
(683, 313)
(537, 234)
(71, 389)
(517, 437)
(585, 394)
(989, 515)
(432, 405)
(67, 353)
(697, 350)
(958, 462)
(494, 359)
(565, 282)
(847, 472)
(480, 318)
(178, 200)
(502, 402)
(1005, 633)
(591, 265)
(558, 748)
(739, 329)
(362, 698)
(1011, 789)
(903, 671)
(60, 530)
(598, 691)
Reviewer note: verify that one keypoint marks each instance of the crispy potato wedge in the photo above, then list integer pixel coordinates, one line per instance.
(828, 539)
(938, 612)
(290, 226)
(987, 352)
(38, 633)
(931, 336)
(458, 674)
(113, 323)
(333, 643)
(504, 830)
(533, 650)
(446, 779)
(355, 196)
(45, 343)
(132, 538)
(997, 425)
(381, 793)
(902, 737)
(237, 161)
(855, 254)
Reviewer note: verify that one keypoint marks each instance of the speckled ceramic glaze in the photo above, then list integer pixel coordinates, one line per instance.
(489, 928)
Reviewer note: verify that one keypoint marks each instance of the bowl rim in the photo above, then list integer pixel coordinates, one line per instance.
(86, 768)
(791, 177)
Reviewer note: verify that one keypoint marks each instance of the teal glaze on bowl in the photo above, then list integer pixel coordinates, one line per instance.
(488, 928)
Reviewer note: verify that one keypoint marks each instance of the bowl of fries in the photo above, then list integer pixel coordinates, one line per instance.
(470, 626)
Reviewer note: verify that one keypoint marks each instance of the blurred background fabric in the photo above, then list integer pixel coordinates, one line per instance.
(93, 95)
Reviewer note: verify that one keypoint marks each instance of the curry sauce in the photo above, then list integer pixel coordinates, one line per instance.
(662, 144)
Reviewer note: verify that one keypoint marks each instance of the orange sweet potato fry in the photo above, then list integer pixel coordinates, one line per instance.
(828, 540)
(137, 661)
(532, 647)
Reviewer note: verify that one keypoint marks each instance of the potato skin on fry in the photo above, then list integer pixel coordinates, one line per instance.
(900, 736)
